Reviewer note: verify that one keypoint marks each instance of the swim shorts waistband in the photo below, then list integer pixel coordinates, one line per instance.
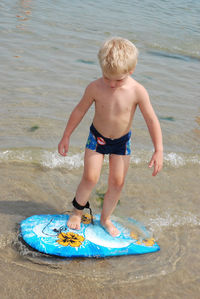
(103, 145)
(109, 140)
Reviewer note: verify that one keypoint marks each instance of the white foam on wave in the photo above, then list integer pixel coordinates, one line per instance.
(174, 159)
(171, 159)
(16, 155)
(52, 159)
(177, 160)
(136, 160)
(170, 219)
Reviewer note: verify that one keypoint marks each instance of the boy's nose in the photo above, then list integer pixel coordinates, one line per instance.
(112, 83)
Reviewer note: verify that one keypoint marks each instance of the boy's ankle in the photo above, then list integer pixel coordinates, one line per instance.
(77, 212)
(103, 220)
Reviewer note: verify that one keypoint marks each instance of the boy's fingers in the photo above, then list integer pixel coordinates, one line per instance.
(59, 149)
(157, 166)
(151, 163)
(62, 150)
(65, 151)
(155, 169)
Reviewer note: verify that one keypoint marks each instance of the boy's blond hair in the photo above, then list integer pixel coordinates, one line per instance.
(117, 56)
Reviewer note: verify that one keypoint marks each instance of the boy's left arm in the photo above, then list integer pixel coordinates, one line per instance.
(154, 129)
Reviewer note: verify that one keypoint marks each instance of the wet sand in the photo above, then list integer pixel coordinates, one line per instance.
(174, 271)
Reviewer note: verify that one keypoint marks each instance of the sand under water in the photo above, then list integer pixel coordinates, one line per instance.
(167, 205)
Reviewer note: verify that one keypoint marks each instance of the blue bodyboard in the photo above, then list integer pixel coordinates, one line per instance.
(49, 234)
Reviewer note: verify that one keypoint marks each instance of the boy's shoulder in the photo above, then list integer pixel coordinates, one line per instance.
(94, 84)
(139, 91)
(138, 86)
(93, 88)
(134, 86)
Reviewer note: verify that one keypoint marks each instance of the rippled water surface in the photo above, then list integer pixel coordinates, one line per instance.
(48, 56)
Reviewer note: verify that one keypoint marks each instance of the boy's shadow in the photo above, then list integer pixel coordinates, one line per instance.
(26, 208)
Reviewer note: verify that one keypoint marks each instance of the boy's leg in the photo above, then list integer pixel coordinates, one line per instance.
(92, 169)
(118, 166)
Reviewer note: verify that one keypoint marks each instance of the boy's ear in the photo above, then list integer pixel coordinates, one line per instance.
(131, 72)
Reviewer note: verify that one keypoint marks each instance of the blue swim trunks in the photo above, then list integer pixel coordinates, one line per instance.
(103, 145)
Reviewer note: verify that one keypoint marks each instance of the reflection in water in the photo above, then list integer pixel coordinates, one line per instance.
(25, 7)
(197, 130)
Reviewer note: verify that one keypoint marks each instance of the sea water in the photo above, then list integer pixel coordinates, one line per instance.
(48, 57)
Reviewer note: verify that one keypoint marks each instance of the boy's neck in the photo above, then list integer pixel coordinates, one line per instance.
(115, 82)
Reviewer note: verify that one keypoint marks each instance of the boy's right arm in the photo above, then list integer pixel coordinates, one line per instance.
(75, 118)
(154, 129)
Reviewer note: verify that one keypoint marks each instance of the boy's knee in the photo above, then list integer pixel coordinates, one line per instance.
(91, 179)
(117, 183)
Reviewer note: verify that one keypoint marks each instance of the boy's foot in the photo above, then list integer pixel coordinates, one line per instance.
(110, 228)
(74, 221)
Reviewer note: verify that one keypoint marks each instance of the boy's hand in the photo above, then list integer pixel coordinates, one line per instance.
(63, 146)
(157, 162)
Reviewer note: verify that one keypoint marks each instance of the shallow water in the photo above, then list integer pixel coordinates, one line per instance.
(48, 56)
(174, 271)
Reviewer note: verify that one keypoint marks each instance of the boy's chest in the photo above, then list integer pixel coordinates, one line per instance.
(115, 104)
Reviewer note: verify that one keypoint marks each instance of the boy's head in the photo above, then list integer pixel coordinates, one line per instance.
(117, 56)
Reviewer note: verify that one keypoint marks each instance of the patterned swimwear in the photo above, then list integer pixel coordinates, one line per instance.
(104, 145)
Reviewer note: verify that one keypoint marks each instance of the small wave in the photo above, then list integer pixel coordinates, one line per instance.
(170, 159)
(6, 240)
(51, 158)
(175, 52)
(174, 55)
(86, 61)
(177, 160)
(17, 155)
(170, 219)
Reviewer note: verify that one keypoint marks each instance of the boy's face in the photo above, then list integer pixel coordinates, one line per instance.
(115, 81)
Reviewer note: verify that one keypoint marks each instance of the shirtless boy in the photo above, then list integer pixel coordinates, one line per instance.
(115, 95)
